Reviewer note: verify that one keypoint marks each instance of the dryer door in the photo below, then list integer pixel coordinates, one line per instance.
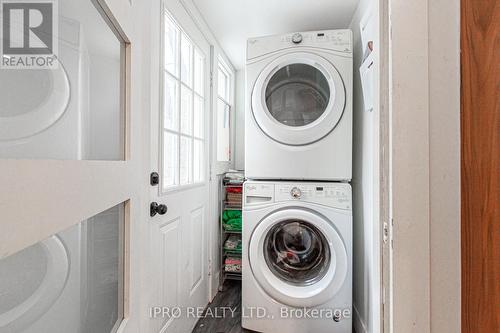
(298, 98)
(298, 257)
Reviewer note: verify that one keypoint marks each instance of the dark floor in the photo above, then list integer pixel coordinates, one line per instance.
(215, 320)
(223, 315)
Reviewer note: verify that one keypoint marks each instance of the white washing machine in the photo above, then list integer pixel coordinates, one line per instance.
(298, 118)
(297, 257)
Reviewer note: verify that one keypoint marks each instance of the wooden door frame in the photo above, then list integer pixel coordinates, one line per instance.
(480, 161)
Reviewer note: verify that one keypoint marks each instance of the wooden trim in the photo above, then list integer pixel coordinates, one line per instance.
(480, 165)
(28, 217)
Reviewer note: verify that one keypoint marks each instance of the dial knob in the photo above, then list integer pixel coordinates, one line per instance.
(295, 193)
(297, 38)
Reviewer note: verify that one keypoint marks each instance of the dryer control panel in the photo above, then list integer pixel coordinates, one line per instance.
(335, 40)
(336, 195)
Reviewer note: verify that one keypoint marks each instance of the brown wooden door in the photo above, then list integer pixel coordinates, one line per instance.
(480, 165)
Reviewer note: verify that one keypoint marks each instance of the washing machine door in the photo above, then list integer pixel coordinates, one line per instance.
(298, 257)
(298, 98)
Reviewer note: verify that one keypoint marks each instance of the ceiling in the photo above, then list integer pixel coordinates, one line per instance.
(234, 21)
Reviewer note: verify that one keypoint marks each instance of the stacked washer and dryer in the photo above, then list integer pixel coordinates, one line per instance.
(297, 209)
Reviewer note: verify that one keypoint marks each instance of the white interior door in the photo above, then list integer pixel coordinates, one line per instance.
(70, 174)
(179, 151)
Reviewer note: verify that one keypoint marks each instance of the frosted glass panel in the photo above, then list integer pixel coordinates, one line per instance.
(183, 109)
(198, 72)
(74, 111)
(198, 116)
(222, 84)
(171, 47)
(170, 159)
(185, 161)
(170, 103)
(186, 110)
(186, 61)
(69, 282)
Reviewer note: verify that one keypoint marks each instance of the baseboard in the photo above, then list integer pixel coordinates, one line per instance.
(359, 325)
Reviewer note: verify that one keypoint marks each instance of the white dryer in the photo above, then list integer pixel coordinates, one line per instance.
(298, 118)
(297, 257)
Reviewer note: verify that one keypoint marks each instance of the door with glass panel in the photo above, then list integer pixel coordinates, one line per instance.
(179, 150)
(68, 168)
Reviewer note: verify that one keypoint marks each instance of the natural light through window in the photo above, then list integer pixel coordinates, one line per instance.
(223, 113)
(183, 108)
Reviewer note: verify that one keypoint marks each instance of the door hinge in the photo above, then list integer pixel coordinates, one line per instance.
(386, 232)
(211, 79)
(209, 267)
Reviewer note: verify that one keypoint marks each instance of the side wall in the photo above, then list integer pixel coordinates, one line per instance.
(365, 182)
(444, 122)
(425, 165)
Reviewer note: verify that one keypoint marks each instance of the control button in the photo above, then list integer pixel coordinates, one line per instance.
(297, 38)
(295, 193)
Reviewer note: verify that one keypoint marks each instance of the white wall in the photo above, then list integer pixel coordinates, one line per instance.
(239, 140)
(366, 274)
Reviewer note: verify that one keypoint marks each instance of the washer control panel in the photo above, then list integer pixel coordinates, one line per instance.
(336, 195)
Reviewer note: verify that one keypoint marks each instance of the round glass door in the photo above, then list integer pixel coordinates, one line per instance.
(298, 98)
(297, 252)
(298, 257)
(297, 94)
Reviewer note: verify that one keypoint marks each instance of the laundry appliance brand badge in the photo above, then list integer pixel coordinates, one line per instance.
(29, 34)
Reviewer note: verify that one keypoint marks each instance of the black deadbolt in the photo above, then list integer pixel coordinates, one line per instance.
(155, 208)
(154, 178)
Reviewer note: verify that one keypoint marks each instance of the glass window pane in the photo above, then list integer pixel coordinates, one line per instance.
(171, 47)
(186, 164)
(170, 103)
(199, 159)
(70, 281)
(222, 84)
(198, 116)
(223, 131)
(297, 94)
(74, 111)
(186, 110)
(170, 159)
(198, 72)
(186, 61)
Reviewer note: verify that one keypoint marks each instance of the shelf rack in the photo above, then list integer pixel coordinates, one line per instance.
(224, 234)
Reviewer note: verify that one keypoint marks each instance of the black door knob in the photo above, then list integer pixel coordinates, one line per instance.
(156, 208)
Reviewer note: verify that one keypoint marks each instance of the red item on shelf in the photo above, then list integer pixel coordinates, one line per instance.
(233, 189)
